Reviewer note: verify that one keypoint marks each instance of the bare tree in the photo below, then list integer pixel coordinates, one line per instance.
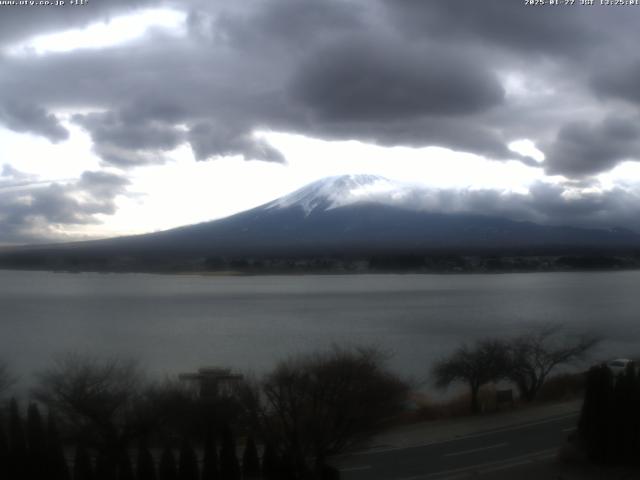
(484, 362)
(321, 404)
(534, 355)
(95, 397)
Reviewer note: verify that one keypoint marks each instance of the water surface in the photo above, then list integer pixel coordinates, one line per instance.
(177, 323)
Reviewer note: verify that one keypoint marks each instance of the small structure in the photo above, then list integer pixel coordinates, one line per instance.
(619, 365)
(211, 381)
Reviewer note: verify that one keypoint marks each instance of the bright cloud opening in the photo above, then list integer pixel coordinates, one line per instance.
(437, 167)
(105, 34)
(528, 148)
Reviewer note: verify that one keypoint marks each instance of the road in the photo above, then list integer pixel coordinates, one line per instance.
(481, 452)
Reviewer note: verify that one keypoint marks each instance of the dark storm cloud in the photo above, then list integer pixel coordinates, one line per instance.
(218, 139)
(24, 117)
(34, 211)
(291, 24)
(126, 140)
(403, 72)
(585, 148)
(174, 87)
(619, 82)
(583, 55)
(374, 80)
(502, 23)
(111, 128)
(270, 65)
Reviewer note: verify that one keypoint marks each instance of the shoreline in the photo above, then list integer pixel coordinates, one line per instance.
(295, 273)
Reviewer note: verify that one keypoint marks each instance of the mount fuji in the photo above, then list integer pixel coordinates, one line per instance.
(352, 215)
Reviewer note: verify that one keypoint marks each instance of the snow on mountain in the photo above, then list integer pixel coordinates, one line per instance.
(332, 192)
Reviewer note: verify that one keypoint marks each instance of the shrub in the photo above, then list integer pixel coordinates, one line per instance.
(321, 404)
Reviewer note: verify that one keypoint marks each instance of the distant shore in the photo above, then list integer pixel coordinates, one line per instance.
(329, 263)
(546, 265)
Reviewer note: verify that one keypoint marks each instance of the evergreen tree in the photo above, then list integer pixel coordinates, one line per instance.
(210, 469)
(623, 428)
(287, 469)
(270, 463)
(82, 467)
(125, 470)
(635, 420)
(105, 469)
(596, 424)
(588, 410)
(229, 466)
(606, 423)
(250, 460)
(188, 464)
(57, 463)
(145, 465)
(37, 444)
(4, 453)
(168, 470)
(18, 459)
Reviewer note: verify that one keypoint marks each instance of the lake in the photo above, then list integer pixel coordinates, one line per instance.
(176, 323)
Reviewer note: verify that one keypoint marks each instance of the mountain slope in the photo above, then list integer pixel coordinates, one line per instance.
(347, 215)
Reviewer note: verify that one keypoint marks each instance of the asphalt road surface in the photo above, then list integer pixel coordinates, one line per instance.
(482, 452)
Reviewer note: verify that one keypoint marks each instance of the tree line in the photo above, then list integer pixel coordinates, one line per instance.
(34, 450)
(121, 426)
(107, 421)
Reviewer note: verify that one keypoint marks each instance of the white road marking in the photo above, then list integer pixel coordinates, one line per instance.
(464, 437)
(485, 467)
(474, 450)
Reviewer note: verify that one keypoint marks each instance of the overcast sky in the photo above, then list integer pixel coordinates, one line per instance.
(125, 116)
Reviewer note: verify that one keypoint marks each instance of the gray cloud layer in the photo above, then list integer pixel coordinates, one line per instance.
(545, 203)
(584, 147)
(34, 211)
(24, 117)
(374, 80)
(464, 74)
(332, 71)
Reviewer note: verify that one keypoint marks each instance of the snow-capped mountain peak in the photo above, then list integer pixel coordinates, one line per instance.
(333, 192)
